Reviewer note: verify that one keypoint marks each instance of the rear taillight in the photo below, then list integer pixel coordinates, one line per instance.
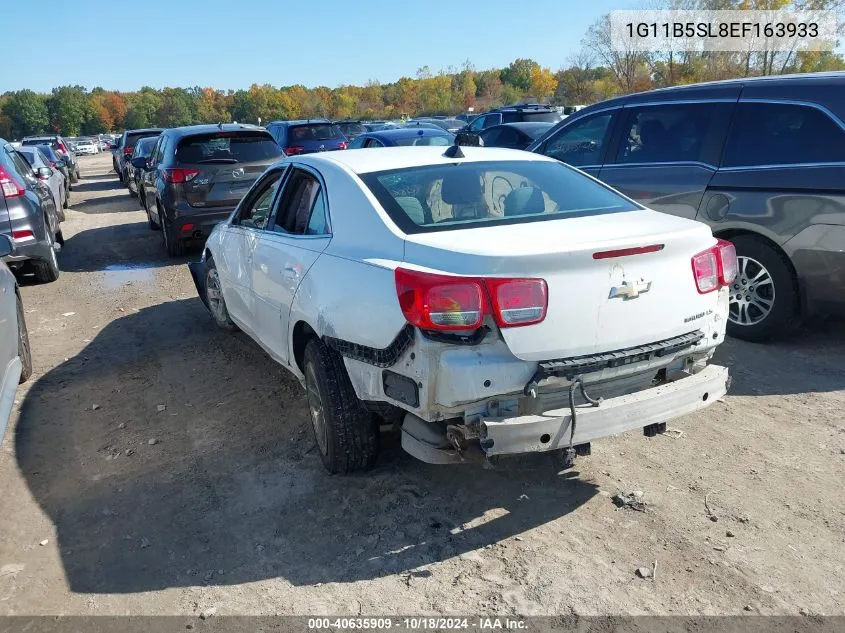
(23, 235)
(715, 267)
(341, 146)
(12, 187)
(444, 302)
(177, 176)
(292, 150)
(127, 151)
(63, 148)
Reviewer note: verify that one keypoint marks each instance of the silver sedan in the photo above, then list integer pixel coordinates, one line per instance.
(15, 355)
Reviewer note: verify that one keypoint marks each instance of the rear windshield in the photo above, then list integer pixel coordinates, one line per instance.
(546, 117)
(447, 197)
(227, 147)
(131, 139)
(445, 140)
(48, 152)
(40, 141)
(313, 132)
(351, 129)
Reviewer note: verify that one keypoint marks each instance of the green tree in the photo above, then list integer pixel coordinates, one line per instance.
(142, 108)
(68, 109)
(27, 113)
(518, 74)
(177, 108)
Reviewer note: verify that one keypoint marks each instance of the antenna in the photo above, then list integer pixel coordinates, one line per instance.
(454, 152)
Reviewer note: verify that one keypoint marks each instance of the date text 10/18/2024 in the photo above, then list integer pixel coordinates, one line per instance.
(418, 624)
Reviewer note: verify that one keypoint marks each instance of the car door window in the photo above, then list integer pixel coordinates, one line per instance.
(357, 143)
(782, 134)
(678, 132)
(257, 210)
(374, 143)
(301, 208)
(477, 125)
(581, 143)
(23, 167)
(492, 119)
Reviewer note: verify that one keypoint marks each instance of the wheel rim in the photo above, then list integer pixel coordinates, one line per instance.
(53, 259)
(752, 293)
(215, 295)
(23, 339)
(315, 408)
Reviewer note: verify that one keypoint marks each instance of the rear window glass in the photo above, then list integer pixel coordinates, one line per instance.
(40, 141)
(351, 129)
(447, 197)
(425, 140)
(227, 147)
(313, 132)
(131, 139)
(545, 117)
(145, 145)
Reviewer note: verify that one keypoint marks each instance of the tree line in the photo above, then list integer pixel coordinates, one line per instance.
(597, 72)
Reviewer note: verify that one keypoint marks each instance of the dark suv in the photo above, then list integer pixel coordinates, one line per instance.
(762, 161)
(196, 175)
(530, 113)
(125, 146)
(62, 148)
(306, 137)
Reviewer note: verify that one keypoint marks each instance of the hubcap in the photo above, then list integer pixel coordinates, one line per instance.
(315, 407)
(214, 296)
(752, 293)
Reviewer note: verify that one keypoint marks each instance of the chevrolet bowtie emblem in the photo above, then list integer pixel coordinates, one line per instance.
(630, 289)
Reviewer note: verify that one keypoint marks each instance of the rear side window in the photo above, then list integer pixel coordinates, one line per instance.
(352, 129)
(313, 132)
(782, 134)
(302, 207)
(682, 132)
(227, 148)
(446, 197)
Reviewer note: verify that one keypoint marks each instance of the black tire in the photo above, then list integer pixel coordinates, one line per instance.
(46, 270)
(347, 437)
(66, 202)
(216, 305)
(24, 350)
(783, 314)
(174, 244)
(150, 222)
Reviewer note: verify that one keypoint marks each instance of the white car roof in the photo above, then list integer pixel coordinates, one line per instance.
(363, 161)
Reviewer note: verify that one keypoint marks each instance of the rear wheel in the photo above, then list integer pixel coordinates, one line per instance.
(764, 296)
(47, 270)
(24, 352)
(150, 222)
(174, 244)
(214, 296)
(344, 430)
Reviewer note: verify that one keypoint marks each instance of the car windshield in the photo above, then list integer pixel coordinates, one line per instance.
(48, 152)
(352, 129)
(227, 147)
(447, 197)
(313, 132)
(444, 140)
(37, 141)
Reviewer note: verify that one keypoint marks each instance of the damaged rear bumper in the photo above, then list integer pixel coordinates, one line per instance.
(551, 429)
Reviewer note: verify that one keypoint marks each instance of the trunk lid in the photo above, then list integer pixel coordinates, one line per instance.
(221, 185)
(585, 314)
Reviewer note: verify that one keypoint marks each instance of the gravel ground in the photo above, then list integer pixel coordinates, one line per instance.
(156, 465)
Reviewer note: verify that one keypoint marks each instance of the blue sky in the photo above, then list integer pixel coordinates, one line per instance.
(123, 45)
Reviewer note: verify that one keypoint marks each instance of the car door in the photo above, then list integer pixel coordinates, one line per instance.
(237, 246)
(667, 154)
(151, 177)
(298, 233)
(583, 143)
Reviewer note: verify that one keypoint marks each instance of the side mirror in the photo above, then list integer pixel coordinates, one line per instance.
(44, 172)
(468, 139)
(6, 246)
(139, 162)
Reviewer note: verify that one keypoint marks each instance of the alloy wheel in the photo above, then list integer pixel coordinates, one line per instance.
(752, 294)
(315, 408)
(214, 295)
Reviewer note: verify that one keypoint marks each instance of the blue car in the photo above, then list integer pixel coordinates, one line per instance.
(306, 137)
(398, 137)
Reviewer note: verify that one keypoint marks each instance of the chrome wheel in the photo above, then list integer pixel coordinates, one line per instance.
(752, 293)
(215, 295)
(315, 408)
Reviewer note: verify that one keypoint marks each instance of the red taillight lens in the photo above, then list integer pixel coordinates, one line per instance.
(63, 148)
(177, 176)
(443, 302)
(23, 235)
(439, 302)
(518, 301)
(293, 150)
(187, 228)
(715, 267)
(12, 187)
(127, 151)
(341, 146)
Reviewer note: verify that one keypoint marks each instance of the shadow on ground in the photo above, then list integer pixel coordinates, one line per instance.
(231, 490)
(132, 246)
(88, 184)
(810, 361)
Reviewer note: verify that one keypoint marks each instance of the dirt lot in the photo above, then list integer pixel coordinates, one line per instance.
(169, 468)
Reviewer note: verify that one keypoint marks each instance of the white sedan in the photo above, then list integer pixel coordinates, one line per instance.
(86, 147)
(490, 301)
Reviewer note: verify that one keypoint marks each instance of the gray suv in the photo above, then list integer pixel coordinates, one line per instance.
(28, 215)
(761, 160)
(196, 175)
